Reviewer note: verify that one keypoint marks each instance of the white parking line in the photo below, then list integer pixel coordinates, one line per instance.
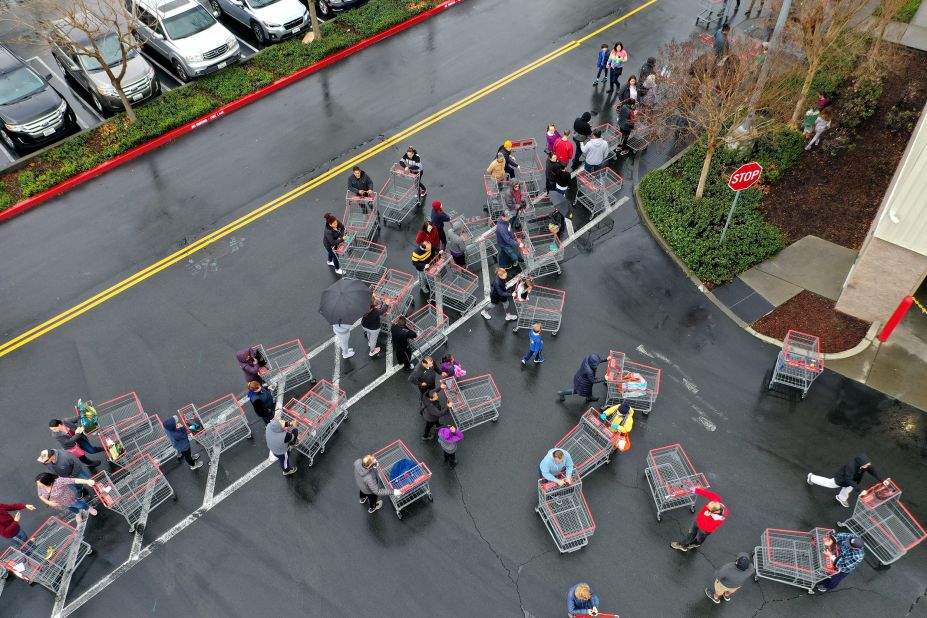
(7, 154)
(95, 118)
(245, 43)
(160, 66)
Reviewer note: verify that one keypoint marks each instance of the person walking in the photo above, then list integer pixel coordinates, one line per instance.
(70, 435)
(616, 59)
(552, 136)
(584, 379)
(581, 132)
(359, 183)
(845, 551)
(281, 436)
(332, 238)
(180, 440)
(438, 219)
(821, 124)
(556, 463)
(62, 463)
(262, 400)
(425, 375)
(455, 244)
(401, 336)
(252, 367)
(422, 256)
(9, 524)
(367, 481)
(433, 411)
(496, 169)
(596, 151)
(371, 322)
(581, 601)
(711, 517)
(535, 345)
(449, 438)
(848, 478)
(60, 493)
(601, 66)
(722, 42)
(506, 243)
(499, 294)
(564, 149)
(730, 577)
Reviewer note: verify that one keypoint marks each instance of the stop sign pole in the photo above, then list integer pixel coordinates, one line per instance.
(744, 178)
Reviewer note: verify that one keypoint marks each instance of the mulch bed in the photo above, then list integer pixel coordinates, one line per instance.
(837, 198)
(809, 313)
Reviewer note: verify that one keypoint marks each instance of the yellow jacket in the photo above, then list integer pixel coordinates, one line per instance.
(617, 424)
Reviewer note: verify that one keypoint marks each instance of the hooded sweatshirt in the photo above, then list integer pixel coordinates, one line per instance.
(367, 481)
(455, 244)
(422, 256)
(852, 473)
(448, 440)
(439, 217)
(585, 377)
(278, 438)
(616, 423)
(250, 369)
(732, 577)
(581, 126)
(177, 435)
(263, 402)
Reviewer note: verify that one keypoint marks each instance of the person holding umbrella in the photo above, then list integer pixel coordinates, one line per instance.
(342, 304)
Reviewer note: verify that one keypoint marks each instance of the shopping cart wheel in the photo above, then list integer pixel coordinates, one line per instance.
(804, 394)
(692, 508)
(554, 334)
(515, 330)
(431, 498)
(174, 497)
(398, 514)
(659, 518)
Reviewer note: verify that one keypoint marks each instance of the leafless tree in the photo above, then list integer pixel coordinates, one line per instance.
(316, 33)
(886, 13)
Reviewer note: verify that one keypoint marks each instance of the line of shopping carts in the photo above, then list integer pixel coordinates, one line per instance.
(458, 286)
(317, 415)
(473, 401)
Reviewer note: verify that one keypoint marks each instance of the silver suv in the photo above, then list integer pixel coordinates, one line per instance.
(269, 20)
(186, 34)
(139, 82)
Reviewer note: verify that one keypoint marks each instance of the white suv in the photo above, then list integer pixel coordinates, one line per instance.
(186, 34)
(269, 20)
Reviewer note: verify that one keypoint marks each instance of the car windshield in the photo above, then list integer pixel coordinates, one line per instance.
(19, 84)
(188, 23)
(109, 49)
(260, 4)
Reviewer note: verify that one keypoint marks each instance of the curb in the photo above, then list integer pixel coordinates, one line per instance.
(216, 114)
(857, 349)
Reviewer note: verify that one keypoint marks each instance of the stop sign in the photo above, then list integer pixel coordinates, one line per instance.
(745, 176)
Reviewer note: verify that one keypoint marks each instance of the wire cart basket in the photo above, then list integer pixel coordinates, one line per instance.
(217, 426)
(360, 216)
(543, 306)
(362, 259)
(473, 401)
(566, 514)
(496, 192)
(472, 234)
(543, 253)
(710, 11)
(589, 443)
(799, 362)
(289, 362)
(118, 410)
(133, 490)
(611, 135)
(613, 372)
(793, 558)
(318, 414)
(136, 437)
(530, 170)
(670, 476)
(635, 383)
(430, 326)
(43, 559)
(884, 523)
(394, 291)
(595, 191)
(458, 285)
(411, 478)
(399, 196)
(642, 134)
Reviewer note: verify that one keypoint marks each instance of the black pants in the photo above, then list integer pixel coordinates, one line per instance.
(614, 79)
(460, 260)
(695, 537)
(88, 461)
(442, 237)
(600, 71)
(404, 356)
(187, 456)
(284, 461)
(450, 458)
(577, 152)
(429, 425)
(624, 138)
(84, 443)
(370, 498)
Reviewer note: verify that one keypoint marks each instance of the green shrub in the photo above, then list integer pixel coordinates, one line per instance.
(860, 102)
(27, 184)
(906, 13)
(6, 200)
(234, 82)
(776, 152)
(840, 63)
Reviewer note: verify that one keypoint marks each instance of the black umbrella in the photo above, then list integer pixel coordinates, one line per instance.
(345, 301)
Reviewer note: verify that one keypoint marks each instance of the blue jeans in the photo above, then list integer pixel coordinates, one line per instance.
(18, 539)
(85, 444)
(510, 255)
(834, 580)
(78, 506)
(537, 356)
(591, 168)
(333, 259)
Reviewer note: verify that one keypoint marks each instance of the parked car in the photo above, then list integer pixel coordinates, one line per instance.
(186, 34)
(139, 82)
(269, 20)
(32, 111)
(328, 8)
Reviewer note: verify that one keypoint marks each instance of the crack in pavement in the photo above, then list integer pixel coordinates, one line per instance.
(838, 591)
(916, 601)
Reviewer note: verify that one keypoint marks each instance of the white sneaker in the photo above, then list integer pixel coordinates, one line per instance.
(330, 263)
(349, 353)
(197, 465)
(292, 471)
(808, 479)
(375, 351)
(485, 314)
(195, 457)
(843, 502)
(375, 507)
(510, 317)
(338, 271)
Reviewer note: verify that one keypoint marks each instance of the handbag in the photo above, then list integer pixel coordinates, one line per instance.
(623, 443)
(77, 451)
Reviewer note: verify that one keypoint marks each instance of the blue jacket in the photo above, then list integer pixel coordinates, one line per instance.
(498, 292)
(585, 377)
(177, 435)
(603, 61)
(439, 218)
(848, 557)
(263, 402)
(574, 604)
(534, 341)
(504, 236)
(549, 468)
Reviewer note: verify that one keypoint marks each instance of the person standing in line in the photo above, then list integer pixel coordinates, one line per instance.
(252, 368)
(581, 132)
(455, 244)
(413, 164)
(511, 164)
(62, 463)
(180, 439)
(730, 577)
(422, 257)
(280, 441)
(848, 478)
(438, 219)
(371, 322)
(722, 40)
(425, 376)
(596, 151)
(60, 493)
(499, 294)
(651, 91)
(616, 59)
(552, 136)
(433, 411)
(557, 462)
(581, 601)
(401, 335)
(365, 477)
(262, 400)
(430, 233)
(506, 243)
(630, 92)
(821, 124)
(563, 148)
(496, 169)
(620, 419)
(70, 435)
(343, 339)
(359, 183)
(448, 438)
(648, 68)
(584, 379)
(601, 66)
(332, 239)
(707, 520)
(845, 551)
(625, 125)
(552, 167)
(535, 345)
(9, 524)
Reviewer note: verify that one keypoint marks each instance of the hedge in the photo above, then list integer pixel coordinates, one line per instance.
(182, 105)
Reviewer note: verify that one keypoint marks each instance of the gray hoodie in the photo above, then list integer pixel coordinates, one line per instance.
(278, 438)
(367, 481)
(455, 244)
(732, 577)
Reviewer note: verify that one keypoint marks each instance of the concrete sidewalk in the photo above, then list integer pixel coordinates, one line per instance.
(913, 34)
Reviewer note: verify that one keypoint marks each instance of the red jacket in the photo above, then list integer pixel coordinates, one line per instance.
(431, 237)
(563, 148)
(706, 520)
(8, 526)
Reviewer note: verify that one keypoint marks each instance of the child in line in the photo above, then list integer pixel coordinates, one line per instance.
(535, 345)
(451, 368)
(552, 136)
(523, 288)
(448, 437)
(602, 66)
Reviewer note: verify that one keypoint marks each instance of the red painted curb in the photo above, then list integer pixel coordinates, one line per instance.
(216, 114)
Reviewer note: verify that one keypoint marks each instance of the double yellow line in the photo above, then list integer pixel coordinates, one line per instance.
(101, 297)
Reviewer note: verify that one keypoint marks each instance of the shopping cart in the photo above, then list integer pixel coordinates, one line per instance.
(635, 383)
(542, 252)
(566, 514)
(43, 559)
(362, 259)
(589, 443)
(536, 219)
(136, 437)
(119, 409)
(710, 11)
(458, 285)
(543, 306)
(133, 490)
(671, 476)
(410, 476)
(884, 523)
(287, 363)
(497, 192)
(610, 134)
(394, 291)
(799, 362)
(318, 414)
(642, 134)
(793, 558)
(597, 190)
(216, 426)
(473, 234)
(473, 401)
(430, 326)
(360, 216)
(398, 197)
(530, 170)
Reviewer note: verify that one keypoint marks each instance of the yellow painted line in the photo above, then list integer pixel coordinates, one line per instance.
(66, 316)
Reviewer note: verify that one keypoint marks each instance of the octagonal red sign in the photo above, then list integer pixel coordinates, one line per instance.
(745, 176)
